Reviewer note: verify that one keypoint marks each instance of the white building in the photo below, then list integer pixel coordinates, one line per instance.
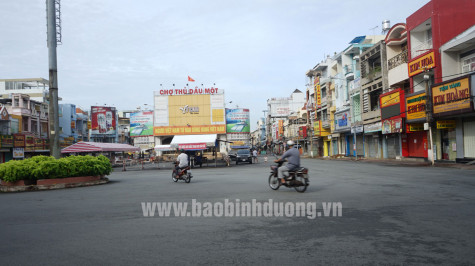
(36, 88)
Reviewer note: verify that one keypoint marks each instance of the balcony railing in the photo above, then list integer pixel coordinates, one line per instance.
(399, 59)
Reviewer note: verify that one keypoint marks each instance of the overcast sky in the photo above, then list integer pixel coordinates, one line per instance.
(117, 52)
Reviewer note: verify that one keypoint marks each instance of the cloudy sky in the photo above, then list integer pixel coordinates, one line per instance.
(117, 52)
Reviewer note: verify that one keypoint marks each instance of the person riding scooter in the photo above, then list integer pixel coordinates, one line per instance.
(182, 161)
(293, 161)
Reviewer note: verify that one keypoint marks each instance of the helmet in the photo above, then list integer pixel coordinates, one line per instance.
(290, 143)
(182, 151)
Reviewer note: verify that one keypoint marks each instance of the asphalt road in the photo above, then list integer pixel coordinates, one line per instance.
(390, 215)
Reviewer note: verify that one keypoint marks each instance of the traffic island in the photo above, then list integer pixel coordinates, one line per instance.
(45, 172)
(56, 183)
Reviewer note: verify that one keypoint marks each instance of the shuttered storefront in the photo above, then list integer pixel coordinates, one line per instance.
(393, 145)
(373, 146)
(469, 139)
(360, 145)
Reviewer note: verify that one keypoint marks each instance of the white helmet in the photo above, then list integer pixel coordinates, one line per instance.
(290, 143)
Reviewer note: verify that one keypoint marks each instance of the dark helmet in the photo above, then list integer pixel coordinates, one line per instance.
(182, 151)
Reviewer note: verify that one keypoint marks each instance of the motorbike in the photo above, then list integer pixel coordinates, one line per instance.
(297, 179)
(183, 174)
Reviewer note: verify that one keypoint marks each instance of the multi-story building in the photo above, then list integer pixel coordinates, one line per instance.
(374, 82)
(28, 124)
(36, 88)
(82, 121)
(441, 57)
(67, 125)
(279, 110)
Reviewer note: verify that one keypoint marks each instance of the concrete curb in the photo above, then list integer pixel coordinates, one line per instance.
(102, 181)
(402, 162)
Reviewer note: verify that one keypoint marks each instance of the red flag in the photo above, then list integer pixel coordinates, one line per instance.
(190, 79)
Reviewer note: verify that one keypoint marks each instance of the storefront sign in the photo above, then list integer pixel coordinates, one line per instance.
(443, 124)
(7, 141)
(317, 128)
(193, 146)
(421, 64)
(18, 153)
(186, 91)
(190, 109)
(19, 141)
(390, 99)
(375, 127)
(39, 144)
(359, 129)
(416, 107)
(29, 143)
(189, 130)
(452, 97)
(318, 97)
(392, 104)
(415, 127)
(303, 132)
(390, 126)
(342, 121)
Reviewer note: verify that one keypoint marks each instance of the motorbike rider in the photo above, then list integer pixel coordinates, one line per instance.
(182, 160)
(293, 161)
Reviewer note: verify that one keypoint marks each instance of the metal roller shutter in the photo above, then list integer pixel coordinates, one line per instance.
(469, 139)
(359, 145)
(393, 146)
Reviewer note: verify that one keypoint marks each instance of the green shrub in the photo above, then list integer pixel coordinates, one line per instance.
(41, 167)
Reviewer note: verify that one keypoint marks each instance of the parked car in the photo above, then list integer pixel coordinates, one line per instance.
(232, 155)
(243, 156)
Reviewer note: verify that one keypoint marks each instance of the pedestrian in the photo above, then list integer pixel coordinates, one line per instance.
(254, 156)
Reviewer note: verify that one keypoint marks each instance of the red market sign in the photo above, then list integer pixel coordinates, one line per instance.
(192, 146)
(187, 91)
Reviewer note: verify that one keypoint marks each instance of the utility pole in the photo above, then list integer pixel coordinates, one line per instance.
(51, 14)
(429, 117)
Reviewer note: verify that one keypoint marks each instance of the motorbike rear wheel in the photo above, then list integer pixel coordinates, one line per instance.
(187, 178)
(274, 182)
(174, 177)
(302, 179)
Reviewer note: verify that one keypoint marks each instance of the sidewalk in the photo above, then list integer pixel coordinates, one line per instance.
(402, 162)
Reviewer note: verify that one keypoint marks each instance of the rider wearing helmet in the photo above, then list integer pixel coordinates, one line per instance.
(293, 161)
(182, 160)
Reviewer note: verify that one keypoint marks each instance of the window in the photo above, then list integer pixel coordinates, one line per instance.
(374, 99)
(468, 63)
(324, 115)
(324, 92)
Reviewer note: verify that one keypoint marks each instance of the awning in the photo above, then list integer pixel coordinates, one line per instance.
(193, 142)
(99, 147)
(163, 148)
